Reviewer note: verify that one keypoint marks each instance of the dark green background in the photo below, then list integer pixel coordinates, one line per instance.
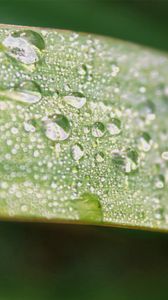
(48, 262)
(145, 22)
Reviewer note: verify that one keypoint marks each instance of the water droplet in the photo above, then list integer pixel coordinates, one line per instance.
(29, 127)
(83, 70)
(131, 161)
(159, 213)
(164, 155)
(26, 92)
(147, 110)
(115, 70)
(98, 129)
(57, 127)
(118, 157)
(24, 208)
(77, 151)
(88, 207)
(145, 142)
(32, 37)
(159, 181)
(99, 157)
(21, 50)
(114, 127)
(76, 100)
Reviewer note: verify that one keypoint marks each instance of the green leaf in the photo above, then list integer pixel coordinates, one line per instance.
(83, 129)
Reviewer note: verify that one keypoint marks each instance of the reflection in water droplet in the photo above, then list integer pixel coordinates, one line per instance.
(57, 127)
(98, 129)
(26, 92)
(100, 157)
(114, 127)
(20, 49)
(77, 152)
(131, 161)
(88, 207)
(145, 142)
(77, 100)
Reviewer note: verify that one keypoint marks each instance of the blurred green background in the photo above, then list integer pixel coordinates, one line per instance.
(144, 22)
(48, 262)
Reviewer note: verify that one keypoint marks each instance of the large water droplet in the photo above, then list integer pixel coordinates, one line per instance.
(131, 161)
(88, 207)
(57, 127)
(20, 49)
(114, 127)
(26, 92)
(98, 129)
(76, 100)
(145, 142)
(77, 151)
(32, 37)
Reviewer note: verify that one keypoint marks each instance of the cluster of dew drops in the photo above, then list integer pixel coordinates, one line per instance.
(26, 48)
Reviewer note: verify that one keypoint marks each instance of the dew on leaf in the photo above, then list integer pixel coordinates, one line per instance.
(99, 157)
(98, 129)
(131, 161)
(159, 181)
(159, 213)
(57, 127)
(32, 37)
(76, 100)
(145, 142)
(77, 151)
(164, 155)
(88, 207)
(27, 92)
(114, 127)
(21, 49)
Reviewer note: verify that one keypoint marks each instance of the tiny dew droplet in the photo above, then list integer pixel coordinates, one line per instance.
(98, 129)
(114, 127)
(159, 213)
(145, 142)
(131, 161)
(57, 127)
(100, 157)
(77, 151)
(88, 207)
(76, 100)
(159, 181)
(164, 155)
